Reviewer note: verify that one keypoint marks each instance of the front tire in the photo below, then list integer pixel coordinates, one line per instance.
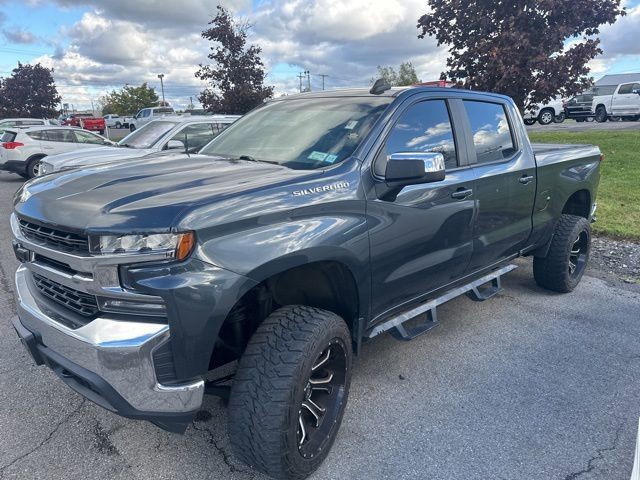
(290, 391)
(546, 116)
(132, 128)
(560, 118)
(562, 269)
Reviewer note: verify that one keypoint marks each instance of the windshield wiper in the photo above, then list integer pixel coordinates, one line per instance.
(252, 159)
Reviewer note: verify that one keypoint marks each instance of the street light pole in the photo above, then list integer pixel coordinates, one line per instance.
(161, 76)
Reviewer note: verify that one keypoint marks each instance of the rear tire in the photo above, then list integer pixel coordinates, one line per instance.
(601, 114)
(31, 169)
(529, 121)
(271, 425)
(118, 125)
(566, 261)
(132, 128)
(560, 118)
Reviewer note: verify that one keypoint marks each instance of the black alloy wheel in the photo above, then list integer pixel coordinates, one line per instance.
(323, 399)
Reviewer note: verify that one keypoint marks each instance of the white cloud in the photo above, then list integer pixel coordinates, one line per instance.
(621, 38)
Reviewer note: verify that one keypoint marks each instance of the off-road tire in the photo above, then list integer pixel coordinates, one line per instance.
(269, 386)
(553, 271)
(601, 114)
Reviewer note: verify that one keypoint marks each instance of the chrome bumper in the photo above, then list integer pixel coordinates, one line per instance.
(119, 352)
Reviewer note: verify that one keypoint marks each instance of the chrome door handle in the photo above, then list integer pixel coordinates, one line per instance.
(462, 193)
(526, 179)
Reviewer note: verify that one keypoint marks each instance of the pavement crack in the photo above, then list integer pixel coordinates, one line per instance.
(102, 439)
(46, 439)
(598, 456)
(226, 458)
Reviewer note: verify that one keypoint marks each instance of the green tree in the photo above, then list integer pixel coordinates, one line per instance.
(29, 92)
(237, 77)
(129, 100)
(519, 48)
(406, 75)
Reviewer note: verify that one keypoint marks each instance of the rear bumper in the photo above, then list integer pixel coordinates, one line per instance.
(110, 362)
(14, 166)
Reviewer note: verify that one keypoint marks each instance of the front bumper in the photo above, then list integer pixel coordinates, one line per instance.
(108, 361)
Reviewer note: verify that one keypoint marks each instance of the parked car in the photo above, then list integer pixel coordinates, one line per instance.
(623, 103)
(169, 133)
(545, 113)
(21, 123)
(116, 121)
(311, 225)
(86, 121)
(147, 115)
(579, 107)
(22, 150)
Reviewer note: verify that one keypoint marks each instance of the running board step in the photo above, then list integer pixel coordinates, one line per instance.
(473, 289)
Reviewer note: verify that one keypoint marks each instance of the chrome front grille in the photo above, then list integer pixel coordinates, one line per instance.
(79, 302)
(53, 237)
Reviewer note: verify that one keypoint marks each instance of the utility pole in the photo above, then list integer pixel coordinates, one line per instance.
(300, 77)
(323, 77)
(308, 80)
(161, 76)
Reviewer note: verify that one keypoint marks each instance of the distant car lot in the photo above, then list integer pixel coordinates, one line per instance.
(573, 126)
(526, 385)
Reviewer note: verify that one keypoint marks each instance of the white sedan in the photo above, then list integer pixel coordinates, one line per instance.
(168, 133)
(22, 149)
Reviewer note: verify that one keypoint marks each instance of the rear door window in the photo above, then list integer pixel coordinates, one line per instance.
(60, 135)
(492, 136)
(37, 135)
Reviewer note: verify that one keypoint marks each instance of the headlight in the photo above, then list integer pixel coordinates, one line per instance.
(22, 195)
(173, 245)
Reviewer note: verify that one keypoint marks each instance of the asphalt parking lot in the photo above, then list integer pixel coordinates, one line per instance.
(573, 126)
(528, 385)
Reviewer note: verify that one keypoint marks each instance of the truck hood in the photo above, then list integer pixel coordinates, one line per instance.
(150, 194)
(94, 156)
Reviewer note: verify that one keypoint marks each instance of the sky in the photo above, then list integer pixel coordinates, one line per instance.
(95, 47)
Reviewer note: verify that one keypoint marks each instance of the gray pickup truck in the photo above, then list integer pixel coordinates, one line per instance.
(257, 269)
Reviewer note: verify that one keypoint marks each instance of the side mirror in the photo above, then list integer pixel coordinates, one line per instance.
(175, 145)
(412, 168)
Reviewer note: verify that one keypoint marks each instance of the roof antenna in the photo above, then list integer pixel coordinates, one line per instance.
(379, 87)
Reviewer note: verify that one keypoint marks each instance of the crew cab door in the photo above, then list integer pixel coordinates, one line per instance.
(624, 101)
(420, 235)
(505, 185)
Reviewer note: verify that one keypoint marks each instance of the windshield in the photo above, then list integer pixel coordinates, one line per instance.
(149, 135)
(300, 134)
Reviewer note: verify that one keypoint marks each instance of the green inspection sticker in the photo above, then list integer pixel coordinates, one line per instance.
(320, 156)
